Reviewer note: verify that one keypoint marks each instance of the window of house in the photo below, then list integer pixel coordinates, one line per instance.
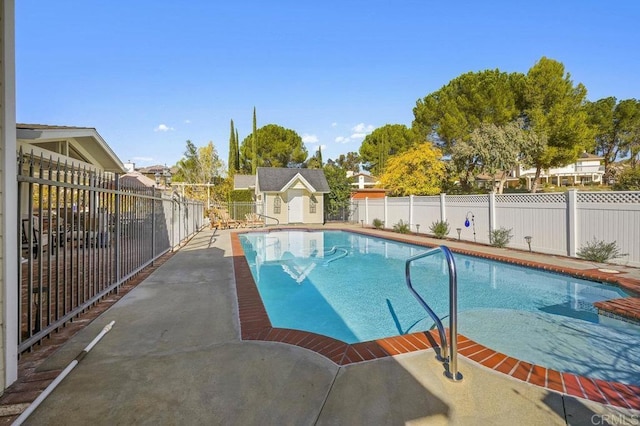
(312, 204)
(277, 204)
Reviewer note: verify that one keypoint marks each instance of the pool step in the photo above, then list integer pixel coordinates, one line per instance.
(627, 309)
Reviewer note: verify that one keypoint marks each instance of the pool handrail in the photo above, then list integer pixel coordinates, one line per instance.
(452, 345)
(268, 217)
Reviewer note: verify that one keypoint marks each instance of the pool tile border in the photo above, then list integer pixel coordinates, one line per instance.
(255, 325)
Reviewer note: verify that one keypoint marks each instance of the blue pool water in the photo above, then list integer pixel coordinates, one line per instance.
(352, 287)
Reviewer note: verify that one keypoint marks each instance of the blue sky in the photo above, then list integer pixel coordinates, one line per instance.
(148, 75)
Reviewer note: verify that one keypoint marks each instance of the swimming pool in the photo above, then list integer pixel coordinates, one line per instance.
(351, 287)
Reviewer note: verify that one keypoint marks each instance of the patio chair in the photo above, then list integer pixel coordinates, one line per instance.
(253, 220)
(39, 239)
(224, 220)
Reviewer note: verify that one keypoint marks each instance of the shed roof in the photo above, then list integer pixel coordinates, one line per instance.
(276, 179)
(244, 181)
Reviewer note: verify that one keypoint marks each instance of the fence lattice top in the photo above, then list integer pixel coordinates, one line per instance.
(609, 197)
(531, 198)
(464, 199)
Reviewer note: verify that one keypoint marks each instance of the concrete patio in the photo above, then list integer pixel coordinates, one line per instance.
(175, 356)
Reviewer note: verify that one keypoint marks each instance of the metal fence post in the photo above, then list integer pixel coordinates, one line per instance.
(173, 223)
(153, 227)
(118, 231)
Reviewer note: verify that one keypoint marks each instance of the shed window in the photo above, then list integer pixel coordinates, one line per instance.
(312, 204)
(277, 204)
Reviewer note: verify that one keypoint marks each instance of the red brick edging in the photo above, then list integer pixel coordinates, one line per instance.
(255, 325)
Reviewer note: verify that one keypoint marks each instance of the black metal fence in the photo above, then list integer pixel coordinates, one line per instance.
(345, 213)
(238, 210)
(85, 233)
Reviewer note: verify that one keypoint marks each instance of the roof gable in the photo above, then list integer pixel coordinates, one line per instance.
(294, 181)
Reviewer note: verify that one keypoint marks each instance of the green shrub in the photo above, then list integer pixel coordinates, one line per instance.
(401, 227)
(242, 195)
(440, 229)
(500, 237)
(599, 251)
(378, 224)
(628, 180)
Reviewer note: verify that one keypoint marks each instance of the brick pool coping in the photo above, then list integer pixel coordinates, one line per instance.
(255, 325)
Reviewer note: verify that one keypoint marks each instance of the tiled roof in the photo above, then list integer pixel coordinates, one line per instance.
(151, 169)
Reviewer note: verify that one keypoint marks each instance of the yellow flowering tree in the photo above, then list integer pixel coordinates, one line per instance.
(418, 171)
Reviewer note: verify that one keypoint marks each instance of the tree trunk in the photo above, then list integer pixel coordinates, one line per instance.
(503, 180)
(534, 186)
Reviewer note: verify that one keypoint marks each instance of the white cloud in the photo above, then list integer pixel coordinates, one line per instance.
(360, 131)
(363, 128)
(309, 138)
(334, 124)
(163, 128)
(187, 121)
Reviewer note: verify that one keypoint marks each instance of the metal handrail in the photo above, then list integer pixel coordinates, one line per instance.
(452, 346)
(268, 217)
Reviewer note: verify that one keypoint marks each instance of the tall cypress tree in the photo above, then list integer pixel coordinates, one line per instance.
(320, 156)
(237, 151)
(232, 151)
(254, 145)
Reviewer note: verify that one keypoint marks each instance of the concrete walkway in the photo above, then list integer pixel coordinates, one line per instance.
(174, 356)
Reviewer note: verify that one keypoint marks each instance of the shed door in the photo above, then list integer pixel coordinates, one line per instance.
(296, 205)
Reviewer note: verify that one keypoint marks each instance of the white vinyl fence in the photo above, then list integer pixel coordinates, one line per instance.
(558, 223)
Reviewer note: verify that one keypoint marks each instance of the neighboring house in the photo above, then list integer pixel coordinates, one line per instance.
(485, 180)
(361, 180)
(288, 195)
(158, 173)
(586, 170)
(371, 193)
(81, 146)
(136, 179)
(363, 186)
